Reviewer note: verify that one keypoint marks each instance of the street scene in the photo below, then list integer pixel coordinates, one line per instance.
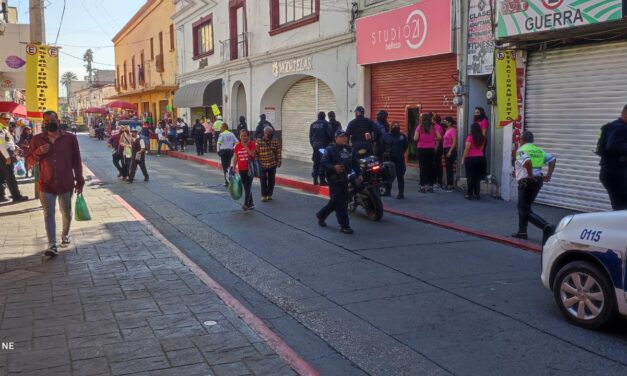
(373, 187)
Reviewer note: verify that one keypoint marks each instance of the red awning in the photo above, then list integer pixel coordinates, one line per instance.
(13, 108)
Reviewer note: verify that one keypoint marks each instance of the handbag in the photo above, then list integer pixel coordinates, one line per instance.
(81, 212)
(254, 169)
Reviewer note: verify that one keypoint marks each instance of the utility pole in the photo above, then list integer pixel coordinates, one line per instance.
(37, 22)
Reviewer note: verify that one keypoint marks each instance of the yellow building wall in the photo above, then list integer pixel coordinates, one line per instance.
(153, 18)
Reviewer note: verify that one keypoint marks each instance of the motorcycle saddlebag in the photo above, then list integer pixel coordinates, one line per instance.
(389, 171)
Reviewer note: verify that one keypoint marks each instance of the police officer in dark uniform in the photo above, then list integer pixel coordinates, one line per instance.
(335, 125)
(361, 131)
(393, 148)
(383, 128)
(613, 151)
(320, 137)
(338, 161)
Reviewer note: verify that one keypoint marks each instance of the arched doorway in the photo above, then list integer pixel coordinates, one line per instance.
(239, 107)
(299, 108)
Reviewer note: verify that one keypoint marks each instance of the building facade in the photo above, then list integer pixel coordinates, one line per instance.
(285, 60)
(145, 61)
(13, 58)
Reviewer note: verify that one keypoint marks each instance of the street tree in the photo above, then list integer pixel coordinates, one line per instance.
(88, 58)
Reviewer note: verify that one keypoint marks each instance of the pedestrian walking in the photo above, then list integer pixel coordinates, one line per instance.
(225, 144)
(320, 137)
(60, 173)
(198, 134)
(335, 125)
(138, 148)
(438, 168)
(208, 135)
(528, 168)
(116, 156)
(426, 139)
(73, 127)
(474, 161)
(338, 161)
(241, 126)
(8, 158)
(613, 151)
(126, 151)
(244, 151)
(269, 157)
(263, 123)
(393, 148)
(449, 145)
(145, 134)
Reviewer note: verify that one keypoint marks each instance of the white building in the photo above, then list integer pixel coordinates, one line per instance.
(288, 60)
(13, 58)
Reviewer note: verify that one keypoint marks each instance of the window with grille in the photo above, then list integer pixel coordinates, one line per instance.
(203, 37)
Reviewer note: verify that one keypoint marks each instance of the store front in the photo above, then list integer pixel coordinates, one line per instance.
(197, 98)
(410, 62)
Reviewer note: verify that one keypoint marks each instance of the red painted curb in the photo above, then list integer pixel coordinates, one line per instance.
(315, 189)
(276, 343)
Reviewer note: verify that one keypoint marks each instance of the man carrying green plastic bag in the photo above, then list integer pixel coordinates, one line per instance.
(235, 185)
(81, 212)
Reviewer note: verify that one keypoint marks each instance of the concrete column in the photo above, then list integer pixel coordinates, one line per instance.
(37, 22)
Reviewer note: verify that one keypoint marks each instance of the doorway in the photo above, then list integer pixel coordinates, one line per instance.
(412, 120)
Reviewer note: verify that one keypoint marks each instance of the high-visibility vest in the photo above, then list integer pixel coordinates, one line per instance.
(535, 154)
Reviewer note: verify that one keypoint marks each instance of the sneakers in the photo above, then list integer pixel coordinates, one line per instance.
(430, 189)
(346, 230)
(436, 185)
(323, 183)
(264, 199)
(321, 221)
(65, 241)
(422, 190)
(146, 178)
(269, 198)
(400, 196)
(520, 235)
(3, 199)
(51, 251)
(251, 207)
(547, 232)
(20, 198)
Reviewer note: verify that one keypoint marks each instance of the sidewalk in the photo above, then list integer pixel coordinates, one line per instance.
(489, 218)
(117, 302)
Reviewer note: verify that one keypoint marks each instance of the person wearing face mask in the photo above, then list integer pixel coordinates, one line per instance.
(126, 151)
(393, 147)
(138, 156)
(60, 174)
(7, 159)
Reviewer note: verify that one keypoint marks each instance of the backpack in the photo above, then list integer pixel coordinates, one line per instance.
(602, 141)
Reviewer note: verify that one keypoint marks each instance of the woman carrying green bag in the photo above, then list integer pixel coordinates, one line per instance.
(244, 153)
(235, 185)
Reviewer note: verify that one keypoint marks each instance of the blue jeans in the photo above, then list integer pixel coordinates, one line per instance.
(146, 141)
(161, 142)
(48, 202)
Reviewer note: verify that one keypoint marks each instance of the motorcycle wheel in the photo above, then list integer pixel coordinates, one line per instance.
(374, 209)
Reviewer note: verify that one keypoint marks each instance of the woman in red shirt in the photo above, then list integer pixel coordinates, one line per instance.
(244, 151)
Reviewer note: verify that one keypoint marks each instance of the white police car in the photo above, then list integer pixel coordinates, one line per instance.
(583, 263)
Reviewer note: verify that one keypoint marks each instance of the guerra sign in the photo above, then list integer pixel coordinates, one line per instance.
(517, 17)
(418, 30)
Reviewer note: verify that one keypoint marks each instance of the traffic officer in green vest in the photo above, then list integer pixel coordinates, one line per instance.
(217, 128)
(528, 168)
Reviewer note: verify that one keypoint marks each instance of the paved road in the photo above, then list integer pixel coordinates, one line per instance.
(396, 298)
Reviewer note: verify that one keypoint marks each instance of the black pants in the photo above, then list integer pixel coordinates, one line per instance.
(337, 203)
(316, 157)
(267, 181)
(474, 172)
(142, 166)
(615, 182)
(438, 171)
(528, 190)
(8, 176)
(225, 160)
(181, 141)
(401, 168)
(126, 166)
(117, 162)
(426, 162)
(450, 165)
(173, 144)
(199, 145)
(208, 142)
(247, 183)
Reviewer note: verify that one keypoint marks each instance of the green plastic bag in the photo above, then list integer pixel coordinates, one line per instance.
(81, 212)
(235, 187)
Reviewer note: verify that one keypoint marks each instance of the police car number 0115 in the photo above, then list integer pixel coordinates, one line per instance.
(591, 235)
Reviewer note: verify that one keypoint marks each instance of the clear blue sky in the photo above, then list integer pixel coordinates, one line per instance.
(86, 24)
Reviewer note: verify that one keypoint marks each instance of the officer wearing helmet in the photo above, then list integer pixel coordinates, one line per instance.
(338, 162)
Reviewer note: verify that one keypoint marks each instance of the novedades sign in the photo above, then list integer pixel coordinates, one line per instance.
(422, 29)
(517, 17)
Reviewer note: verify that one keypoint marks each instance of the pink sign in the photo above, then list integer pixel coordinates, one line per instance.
(418, 30)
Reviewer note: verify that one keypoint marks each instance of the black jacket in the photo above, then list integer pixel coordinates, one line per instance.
(615, 151)
(358, 127)
(198, 131)
(320, 135)
(260, 126)
(339, 154)
(335, 126)
(394, 146)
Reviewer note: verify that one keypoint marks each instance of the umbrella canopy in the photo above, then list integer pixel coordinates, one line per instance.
(13, 108)
(122, 105)
(95, 110)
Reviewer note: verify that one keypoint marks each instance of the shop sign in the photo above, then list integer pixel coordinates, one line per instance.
(506, 87)
(42, 80)
(291, 66)
(418, 30)
(480, 37)
(516, 17)
(215, 110)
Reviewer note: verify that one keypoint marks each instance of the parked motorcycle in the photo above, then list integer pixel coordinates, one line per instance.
(367, 194)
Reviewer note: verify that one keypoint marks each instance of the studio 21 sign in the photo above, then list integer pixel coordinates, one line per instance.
(422, 29)
(517, 17)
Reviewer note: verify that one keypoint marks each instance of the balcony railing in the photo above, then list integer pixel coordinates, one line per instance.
(233, 49)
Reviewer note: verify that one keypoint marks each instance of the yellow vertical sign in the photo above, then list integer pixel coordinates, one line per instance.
(506, 87)
(42, 80)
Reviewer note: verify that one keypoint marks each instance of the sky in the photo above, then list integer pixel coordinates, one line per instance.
(86, 24)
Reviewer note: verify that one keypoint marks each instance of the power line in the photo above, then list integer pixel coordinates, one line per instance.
(81, 59)
(60, 22)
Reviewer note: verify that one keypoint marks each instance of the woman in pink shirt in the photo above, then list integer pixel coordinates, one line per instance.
(474, 160)
(426, 139)
(450, 151)
(439, 152)
(482, 120)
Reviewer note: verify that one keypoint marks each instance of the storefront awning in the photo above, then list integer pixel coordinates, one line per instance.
(199, 94)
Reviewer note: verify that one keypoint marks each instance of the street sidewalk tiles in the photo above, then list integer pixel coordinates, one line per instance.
(116, 302)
